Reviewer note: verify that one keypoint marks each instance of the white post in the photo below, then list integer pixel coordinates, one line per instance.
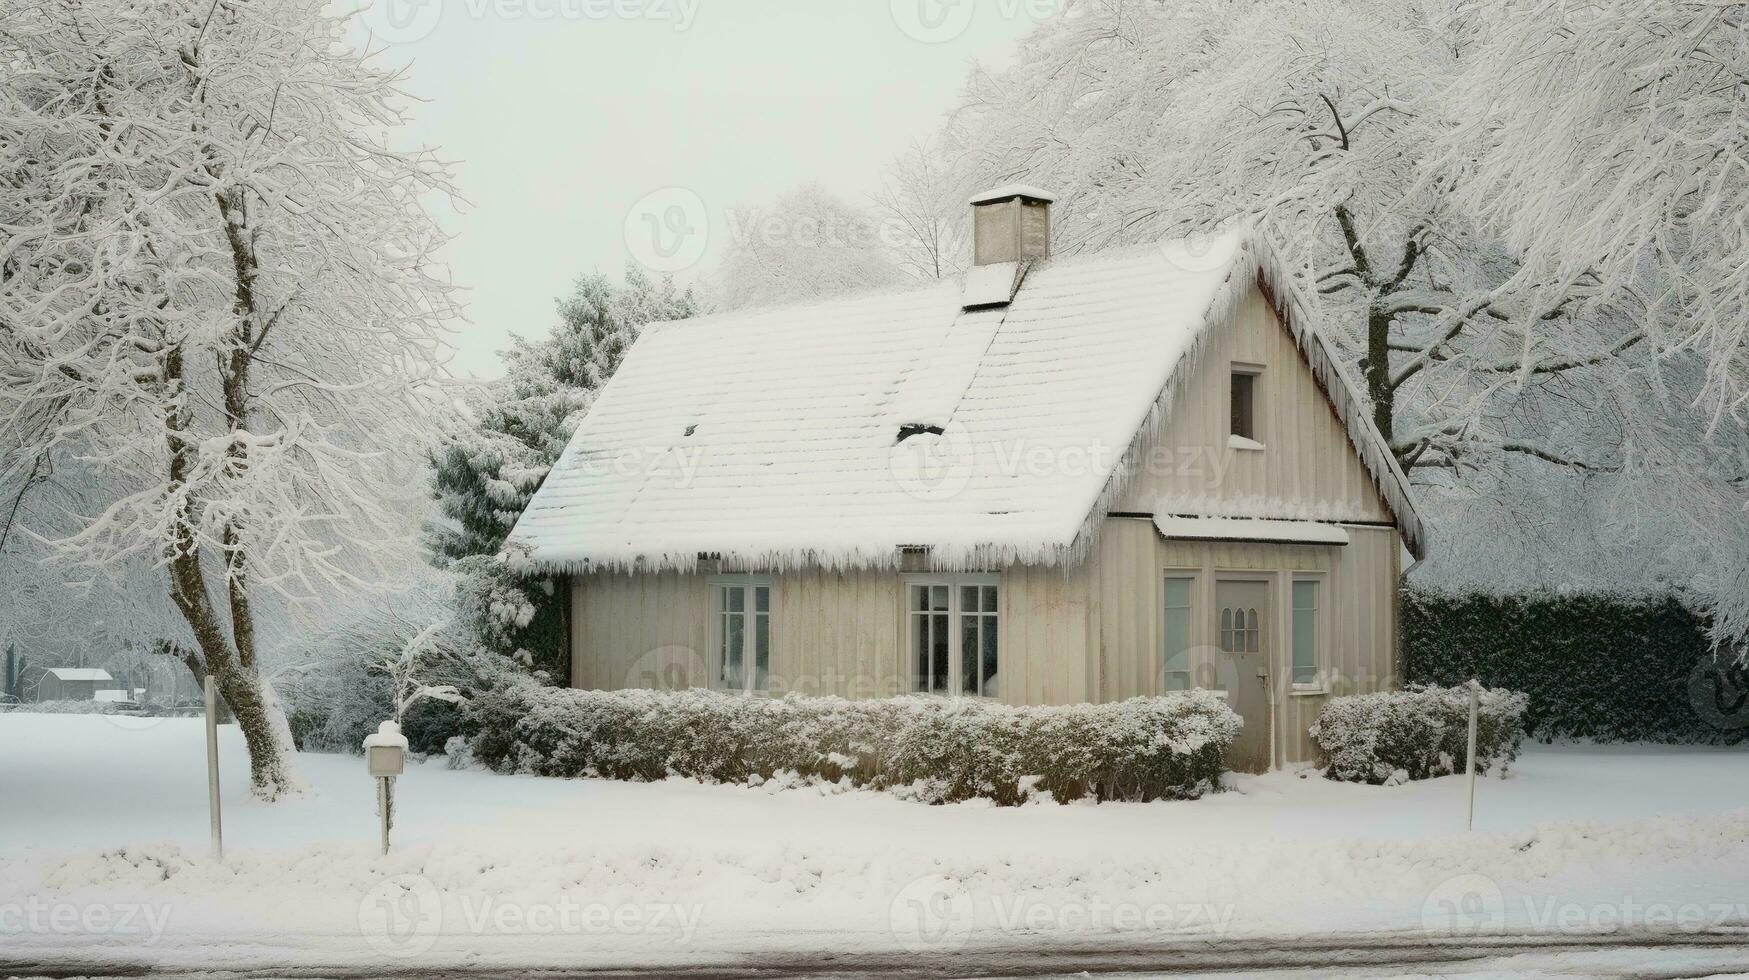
(1475, 698)
(212, 767)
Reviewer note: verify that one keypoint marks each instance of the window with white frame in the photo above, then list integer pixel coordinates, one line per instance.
(1175, 630)
(952, 624)
(743, 632)
(1305, 632)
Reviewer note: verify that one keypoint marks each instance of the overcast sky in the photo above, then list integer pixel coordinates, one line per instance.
(574, 120)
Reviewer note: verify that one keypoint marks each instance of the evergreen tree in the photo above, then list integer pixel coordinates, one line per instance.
(485, 473)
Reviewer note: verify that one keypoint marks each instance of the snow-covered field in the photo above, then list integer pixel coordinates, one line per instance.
(103, 850)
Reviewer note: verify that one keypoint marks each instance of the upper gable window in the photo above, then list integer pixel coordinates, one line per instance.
(1244, 384)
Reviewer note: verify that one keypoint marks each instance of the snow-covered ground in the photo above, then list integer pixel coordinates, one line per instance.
(103, 830)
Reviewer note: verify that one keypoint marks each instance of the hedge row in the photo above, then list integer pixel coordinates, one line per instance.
(1595, 667)
(66, 707)
(1419, 733)
(934, 749)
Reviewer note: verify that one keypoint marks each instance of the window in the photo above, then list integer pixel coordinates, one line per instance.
(1175, 628)
(1240, 632)
(743, 633)
(1244, 388)
(1305, 673)
(953, 629)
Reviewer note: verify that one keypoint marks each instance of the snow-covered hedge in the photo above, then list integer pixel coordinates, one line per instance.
(1393, 736)
(68, 707)
(931, 748)
(1600, 667)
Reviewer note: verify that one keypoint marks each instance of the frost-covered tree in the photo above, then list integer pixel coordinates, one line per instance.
(488, 468)
(1344, 133)
(922, 202)
(808, 244)
(218, 311)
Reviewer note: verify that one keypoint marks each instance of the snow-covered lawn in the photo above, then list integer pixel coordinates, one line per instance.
(103, 818)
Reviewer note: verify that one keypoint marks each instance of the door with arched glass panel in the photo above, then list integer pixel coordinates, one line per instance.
(1242, 635)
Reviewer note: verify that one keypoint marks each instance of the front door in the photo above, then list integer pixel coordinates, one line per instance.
(1243, 636)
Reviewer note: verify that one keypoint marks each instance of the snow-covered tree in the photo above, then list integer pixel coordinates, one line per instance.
(923, 202)
(1499, 367)
(808, 244)
(490, 465)
(217, 309)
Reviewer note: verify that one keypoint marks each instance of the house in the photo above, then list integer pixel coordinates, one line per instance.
(71, 683)
(1054, 480)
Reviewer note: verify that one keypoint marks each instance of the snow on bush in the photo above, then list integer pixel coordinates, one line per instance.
(68, 707)
(1393, 736)
(932, 749)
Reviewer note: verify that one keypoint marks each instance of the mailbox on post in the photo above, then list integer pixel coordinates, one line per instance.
(385, 755)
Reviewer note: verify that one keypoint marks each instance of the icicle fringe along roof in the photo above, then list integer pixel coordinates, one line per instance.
(771, 439)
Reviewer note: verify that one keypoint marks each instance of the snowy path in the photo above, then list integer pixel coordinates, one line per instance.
(104, 820)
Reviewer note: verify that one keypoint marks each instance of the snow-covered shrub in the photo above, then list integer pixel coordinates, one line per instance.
(69, 707)
(1418, 733)
(935, 749)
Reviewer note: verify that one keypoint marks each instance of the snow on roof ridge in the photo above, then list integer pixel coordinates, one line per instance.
(1012, 190)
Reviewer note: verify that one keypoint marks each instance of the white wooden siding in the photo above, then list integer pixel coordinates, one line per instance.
(840, 633)
(1307, 468)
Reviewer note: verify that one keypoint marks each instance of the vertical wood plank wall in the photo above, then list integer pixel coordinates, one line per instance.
(840, 633)
(1307, 468)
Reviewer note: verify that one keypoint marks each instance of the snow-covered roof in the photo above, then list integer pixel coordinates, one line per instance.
(1249, 529)
(1007, 191)
(839, 433)
(80, 674)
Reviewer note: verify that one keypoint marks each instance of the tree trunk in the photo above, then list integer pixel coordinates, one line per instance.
(1377, 368)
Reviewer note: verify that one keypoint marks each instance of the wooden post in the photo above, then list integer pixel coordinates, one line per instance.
(1475, 698)
(386, 806)
(212, 767)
